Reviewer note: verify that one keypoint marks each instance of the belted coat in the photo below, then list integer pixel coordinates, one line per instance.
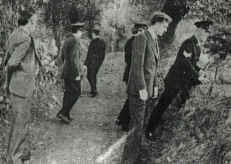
(21, 53)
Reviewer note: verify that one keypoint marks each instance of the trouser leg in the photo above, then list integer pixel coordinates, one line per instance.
(133, 144)
(165, 100)
(183, 96)
(68, 102)
(71, 94)
(124, 115)
(91, 76)
(18, 141)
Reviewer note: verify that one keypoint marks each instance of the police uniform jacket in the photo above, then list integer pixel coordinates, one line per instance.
(71, 54)
(95, 54)
(184, 72)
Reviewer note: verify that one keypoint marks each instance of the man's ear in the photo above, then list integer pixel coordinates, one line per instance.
(187, 54)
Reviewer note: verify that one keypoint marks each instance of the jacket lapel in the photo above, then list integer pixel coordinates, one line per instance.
(154, 46)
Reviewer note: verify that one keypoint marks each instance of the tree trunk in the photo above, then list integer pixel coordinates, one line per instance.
(176, 9)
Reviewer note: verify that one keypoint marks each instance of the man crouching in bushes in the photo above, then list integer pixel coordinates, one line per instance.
(182, 76)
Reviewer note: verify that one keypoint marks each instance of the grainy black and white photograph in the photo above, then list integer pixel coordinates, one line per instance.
(115, 82)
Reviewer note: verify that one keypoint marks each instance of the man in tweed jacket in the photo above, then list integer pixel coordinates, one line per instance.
(142, 81)
(183, 75)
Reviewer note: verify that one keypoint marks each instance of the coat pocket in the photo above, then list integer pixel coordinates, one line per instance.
(22, 84)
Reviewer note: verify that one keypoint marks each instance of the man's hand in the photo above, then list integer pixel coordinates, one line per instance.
(84, 71)
(202, 73)
(187, 54)
(5, 86)
(78, 78)
(155, 92)
(143, 94)
(203, 77)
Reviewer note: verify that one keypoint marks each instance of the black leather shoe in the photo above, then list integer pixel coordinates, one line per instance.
(58, 115)
(25, 156)
(93, 94)
(64, 119)
(70, 118)
(117, 122)
(125, 128)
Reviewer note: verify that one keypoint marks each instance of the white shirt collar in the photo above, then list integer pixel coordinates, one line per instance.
(155, 38)
(153, 34)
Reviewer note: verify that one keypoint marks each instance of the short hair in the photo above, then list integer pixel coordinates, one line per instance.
(158, 17)
(74, 29)
(22, 22)
(96, 32)
(140, 26)
(134, 31)
(24, 16)
(137, 27)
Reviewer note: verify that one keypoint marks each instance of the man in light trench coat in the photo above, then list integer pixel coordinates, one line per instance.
(22, 63)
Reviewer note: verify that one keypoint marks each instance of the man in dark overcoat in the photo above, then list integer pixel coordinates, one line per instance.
(73, 70)
(142, 81)
(182, 76)
(124, 116)
(94, 60)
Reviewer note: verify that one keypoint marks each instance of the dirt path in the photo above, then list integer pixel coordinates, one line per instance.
(93, 129)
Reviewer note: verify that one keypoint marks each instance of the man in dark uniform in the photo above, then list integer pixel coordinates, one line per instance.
(94, 60)
(182, 76)
(142, 81)
(124, 116)
(72, 70)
